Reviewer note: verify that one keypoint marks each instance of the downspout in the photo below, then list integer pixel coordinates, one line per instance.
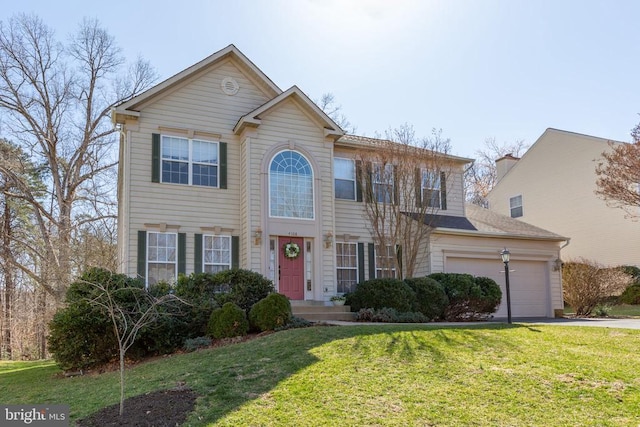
(561, 313)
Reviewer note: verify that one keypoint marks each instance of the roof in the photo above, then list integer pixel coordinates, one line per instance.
(357, 141)
(485, 222)
(253, 118)
(132, 107)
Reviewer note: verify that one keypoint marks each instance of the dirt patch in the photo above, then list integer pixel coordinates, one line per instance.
(161, 408)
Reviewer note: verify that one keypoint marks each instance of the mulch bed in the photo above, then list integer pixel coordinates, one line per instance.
(161, 408)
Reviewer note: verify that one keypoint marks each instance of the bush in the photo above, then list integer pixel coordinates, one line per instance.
(228, 322)
(431, 299)
(585, 284)
(270, 313)
(81, 335)
(389, 315)
(193, 344)
(469, 298)
(199, 291)
(380, 293)
(295, 323)
(631, 295)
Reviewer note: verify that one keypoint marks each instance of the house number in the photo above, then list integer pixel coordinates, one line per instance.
(293, 233)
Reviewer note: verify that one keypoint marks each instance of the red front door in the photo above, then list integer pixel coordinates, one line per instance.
(291, 270)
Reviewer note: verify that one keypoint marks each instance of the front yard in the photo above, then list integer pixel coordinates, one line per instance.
(485, 375)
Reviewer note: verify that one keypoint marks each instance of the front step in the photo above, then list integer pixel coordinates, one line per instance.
(314, 312)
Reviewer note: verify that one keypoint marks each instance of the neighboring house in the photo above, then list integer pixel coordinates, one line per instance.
(220, 168)
(553, 186)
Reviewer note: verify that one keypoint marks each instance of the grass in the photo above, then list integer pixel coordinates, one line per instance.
(617, 310)
(485, 375)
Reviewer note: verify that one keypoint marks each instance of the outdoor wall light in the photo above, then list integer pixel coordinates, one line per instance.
(328, 240)
(506, 255)
(257, 237)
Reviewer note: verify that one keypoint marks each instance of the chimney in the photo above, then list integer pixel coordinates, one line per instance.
(504, 165)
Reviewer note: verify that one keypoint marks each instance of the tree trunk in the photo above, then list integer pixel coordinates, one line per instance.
(122, 351)
(9, 284)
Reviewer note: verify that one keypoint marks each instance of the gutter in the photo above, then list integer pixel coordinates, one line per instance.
(499, 235)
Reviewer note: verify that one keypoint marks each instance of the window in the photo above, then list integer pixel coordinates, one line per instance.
(189, 161)
(162, 257)
(290, 186)
(515, 203)
(216, 253)
(345, 178)
(385, 262)
(346, 266)
(431, 186)
(382, 183)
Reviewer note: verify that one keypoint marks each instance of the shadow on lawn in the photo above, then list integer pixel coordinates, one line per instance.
(230, 377)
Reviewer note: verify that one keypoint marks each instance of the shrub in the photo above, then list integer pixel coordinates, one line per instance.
(469, 298)
(295, 323)
(631, 295)
(380, 293)
(586, 284)
(198, 290)
(82, 335)
(228, 322)
(270, 312)
(244, 287)
(193, 344)
(431, 299)
(389, 315)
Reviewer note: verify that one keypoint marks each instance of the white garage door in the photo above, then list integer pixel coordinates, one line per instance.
(527, 282)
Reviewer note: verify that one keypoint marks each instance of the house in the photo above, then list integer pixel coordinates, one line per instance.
(553, 187)
(220, 168)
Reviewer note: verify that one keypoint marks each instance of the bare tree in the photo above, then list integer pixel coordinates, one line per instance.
(619, 176)
(405, 184)
(56, 101)
(330, 106)
(481, 176)
(129, 314)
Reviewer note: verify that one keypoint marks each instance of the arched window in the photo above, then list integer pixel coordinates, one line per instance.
(290, 186)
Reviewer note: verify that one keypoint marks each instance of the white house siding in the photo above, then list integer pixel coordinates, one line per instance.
(536, 281)
(198, 105)
(557, 181)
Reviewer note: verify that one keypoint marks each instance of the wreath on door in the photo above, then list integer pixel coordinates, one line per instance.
(291, 250)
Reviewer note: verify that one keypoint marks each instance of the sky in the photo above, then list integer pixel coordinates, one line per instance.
(477, 69)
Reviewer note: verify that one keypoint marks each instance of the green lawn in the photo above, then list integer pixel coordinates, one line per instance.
(486, 375)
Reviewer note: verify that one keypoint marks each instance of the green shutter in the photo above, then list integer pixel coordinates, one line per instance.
(360, 262)
(368, 183)
(223, 165)
(418, 184)
(235, 251)
(197, 253)
(155, 157)
(142, 255)
(399, 274)
(396, 192)
(372, 262)
(359, 180)
(182, 253)
(443, 191)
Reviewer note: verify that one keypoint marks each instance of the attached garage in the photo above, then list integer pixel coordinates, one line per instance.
(528, 282)
(472, 245)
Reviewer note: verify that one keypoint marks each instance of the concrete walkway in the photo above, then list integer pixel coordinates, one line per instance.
(602, 323)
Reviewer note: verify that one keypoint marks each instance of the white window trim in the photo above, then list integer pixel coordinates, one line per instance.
(355, 178)
(383, 168)
(313, 197)
(438, 189)
(382, 268)
(521, 206)
(148, 261)
(189, 162)
(204, 263)
(355, 245)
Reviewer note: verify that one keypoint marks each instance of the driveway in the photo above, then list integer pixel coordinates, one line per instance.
(601, 323)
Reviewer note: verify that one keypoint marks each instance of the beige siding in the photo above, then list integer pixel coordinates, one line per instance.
(557, 181)
(486, 248)
(198, 105)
